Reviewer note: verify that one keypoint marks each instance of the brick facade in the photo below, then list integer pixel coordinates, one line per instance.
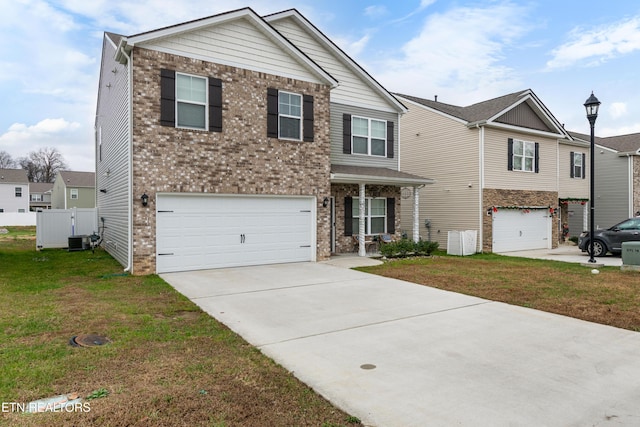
(340, 191)
(508, 198)
(239, 160)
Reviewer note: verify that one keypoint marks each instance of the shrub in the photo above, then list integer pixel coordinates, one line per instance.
(404, 247)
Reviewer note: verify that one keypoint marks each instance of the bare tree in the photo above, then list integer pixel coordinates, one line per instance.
(43, 164)
(6, 161)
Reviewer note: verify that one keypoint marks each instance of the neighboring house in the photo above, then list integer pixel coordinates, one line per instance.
(14, 190)
(617, 178)
(504, 167)
(40, 195)
(238, 140)
(74, 190)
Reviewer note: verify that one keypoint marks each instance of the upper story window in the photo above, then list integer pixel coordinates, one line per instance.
(369, 136)
(18, 191)
(577, 165)
(191, 101)
(289, 115)
(74, 193)
(523, 155)
(36, 197)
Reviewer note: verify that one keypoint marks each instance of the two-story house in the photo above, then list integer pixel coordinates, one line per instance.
(504, 167)
(617, 177)
(40, 195)
(216, 140)
(14, 190)
(74, 190)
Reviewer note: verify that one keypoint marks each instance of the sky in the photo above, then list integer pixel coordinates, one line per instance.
(462, 51)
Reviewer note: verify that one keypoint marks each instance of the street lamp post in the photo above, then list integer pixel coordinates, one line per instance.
(592, 104)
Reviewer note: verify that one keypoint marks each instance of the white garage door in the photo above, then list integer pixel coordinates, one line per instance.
(519, 230)
(195, 232)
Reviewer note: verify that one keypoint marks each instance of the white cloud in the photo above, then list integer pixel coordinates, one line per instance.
(19, 133)
(598, 45)
(618, 109)
(375, 12)
(459, 53)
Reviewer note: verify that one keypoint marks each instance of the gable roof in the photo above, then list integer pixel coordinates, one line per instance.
(40, 187)
(78, 179)
(13, 176)
(338, 53)
(127, 43)
(623, 143)
(500, 111)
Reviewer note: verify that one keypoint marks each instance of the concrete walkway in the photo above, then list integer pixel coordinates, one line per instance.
(568, 253)
(395, 353)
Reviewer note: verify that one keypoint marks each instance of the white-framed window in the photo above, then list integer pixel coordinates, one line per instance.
(577, 165)
(191, 101)
(73, 193)
(368, 136)
(375, 215)
(36, 197)
(289, 115)
(21, 211)
(524, 156)
(18, 191)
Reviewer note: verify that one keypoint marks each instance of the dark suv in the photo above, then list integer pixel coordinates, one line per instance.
(611, 239)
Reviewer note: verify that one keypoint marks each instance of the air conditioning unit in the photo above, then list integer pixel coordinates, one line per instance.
(79, 243)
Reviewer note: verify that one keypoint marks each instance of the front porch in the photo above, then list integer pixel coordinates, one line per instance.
(366, 202)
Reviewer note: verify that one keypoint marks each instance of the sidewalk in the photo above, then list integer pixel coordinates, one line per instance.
(567, 253)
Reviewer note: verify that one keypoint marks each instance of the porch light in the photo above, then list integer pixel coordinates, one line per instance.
(145, 199)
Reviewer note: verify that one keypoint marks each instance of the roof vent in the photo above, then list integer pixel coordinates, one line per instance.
(436, 98)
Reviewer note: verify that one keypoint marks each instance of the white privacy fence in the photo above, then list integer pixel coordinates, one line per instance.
(55, 226)
(17, 218)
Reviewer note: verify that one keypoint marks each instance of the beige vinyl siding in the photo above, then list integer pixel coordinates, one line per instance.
(112, 126)
(446, 150)
(237, 43)
(497, 174)
(353, 90)
(339, 158)
(572, 187)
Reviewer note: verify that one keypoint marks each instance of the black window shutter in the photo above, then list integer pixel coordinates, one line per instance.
(510, 154)
(307, 126)
(537, 157)
(272, 113)
(348, 209)
(584, 165)
(390, 139)
(215, 104)
(346, 133)
(573, 165)
(391, 215)
(167, 97)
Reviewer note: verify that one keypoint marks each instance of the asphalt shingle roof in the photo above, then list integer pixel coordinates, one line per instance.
(15, 176)
(78, 179)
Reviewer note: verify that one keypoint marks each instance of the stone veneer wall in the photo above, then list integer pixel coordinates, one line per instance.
(344, 243)
(238, 160)
(495, 197)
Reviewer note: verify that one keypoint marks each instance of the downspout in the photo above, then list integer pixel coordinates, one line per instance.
(481, 178)
(630, 175)
(130, 163)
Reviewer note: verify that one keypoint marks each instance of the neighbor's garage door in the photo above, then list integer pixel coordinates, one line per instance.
(195, 232)
(519, 230)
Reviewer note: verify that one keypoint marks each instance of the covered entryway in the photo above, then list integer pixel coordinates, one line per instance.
(197, 231)
(521, 229)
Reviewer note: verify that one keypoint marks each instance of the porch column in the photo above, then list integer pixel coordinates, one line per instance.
(585, 216)
(362, 249)
(416, 214)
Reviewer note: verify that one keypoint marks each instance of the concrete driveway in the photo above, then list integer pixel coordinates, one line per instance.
(395, 353)
(568, 253)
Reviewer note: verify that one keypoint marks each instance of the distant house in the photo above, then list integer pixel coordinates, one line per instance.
(40, 195)
(74, 190)
(14, 190)
(617, 177)
(504, 167)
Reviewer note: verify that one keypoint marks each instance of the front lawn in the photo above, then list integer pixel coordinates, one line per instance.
(168, 363)
(611, 297)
